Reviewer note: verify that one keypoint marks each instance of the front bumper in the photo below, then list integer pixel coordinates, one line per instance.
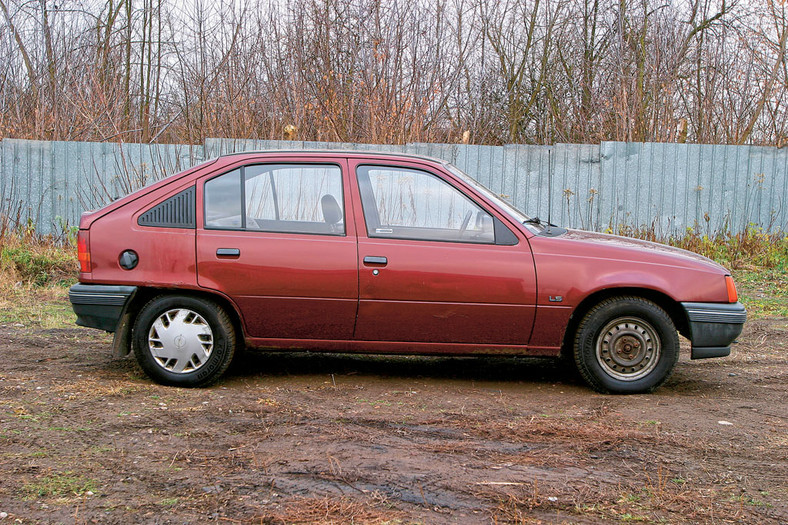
(99, 305)
(713, 327)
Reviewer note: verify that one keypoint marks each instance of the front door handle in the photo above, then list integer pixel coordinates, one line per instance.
(374, 259)
(228, 252)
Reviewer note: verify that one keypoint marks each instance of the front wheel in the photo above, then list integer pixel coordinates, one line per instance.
(184, 341)
(626, 345)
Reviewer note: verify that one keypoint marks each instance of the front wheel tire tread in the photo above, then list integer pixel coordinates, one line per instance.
(589, 331)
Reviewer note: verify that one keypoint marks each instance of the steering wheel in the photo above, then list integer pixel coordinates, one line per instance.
(465, 221)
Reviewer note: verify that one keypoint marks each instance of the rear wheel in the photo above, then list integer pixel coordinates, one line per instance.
(626, 345)
(184, 341)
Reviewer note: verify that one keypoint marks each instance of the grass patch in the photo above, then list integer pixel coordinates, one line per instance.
(34, 273)
(28, 261)
(59, 486)
(749, 500)
(41, 307)
(69, 429)
(763, 291)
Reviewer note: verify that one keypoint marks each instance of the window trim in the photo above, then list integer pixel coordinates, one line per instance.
(366, 188)
(242, 178)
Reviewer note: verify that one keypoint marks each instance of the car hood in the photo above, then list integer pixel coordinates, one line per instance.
(625, 248)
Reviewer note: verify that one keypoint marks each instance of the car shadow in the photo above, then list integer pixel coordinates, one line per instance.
(494, 368)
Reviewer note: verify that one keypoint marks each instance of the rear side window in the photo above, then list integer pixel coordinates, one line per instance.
(223, 201)
(288, 198)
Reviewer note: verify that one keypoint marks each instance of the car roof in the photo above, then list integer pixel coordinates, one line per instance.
(337, 152)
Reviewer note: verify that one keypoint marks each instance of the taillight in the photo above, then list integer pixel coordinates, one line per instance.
(83, 251)
(732, 295)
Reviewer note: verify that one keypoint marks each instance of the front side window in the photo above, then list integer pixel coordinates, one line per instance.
(413, 204)
(288, 198)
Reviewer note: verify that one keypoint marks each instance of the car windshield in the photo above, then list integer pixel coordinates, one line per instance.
(505, 206)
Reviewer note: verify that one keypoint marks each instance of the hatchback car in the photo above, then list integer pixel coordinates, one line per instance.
(381, 253)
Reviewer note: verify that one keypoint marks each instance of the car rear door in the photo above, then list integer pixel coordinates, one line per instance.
(273, 235)
(430, 266)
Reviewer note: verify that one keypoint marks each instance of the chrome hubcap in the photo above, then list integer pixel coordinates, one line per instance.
(628, 348)
(180, 341)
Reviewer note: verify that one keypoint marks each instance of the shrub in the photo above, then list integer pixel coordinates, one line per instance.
(33, 260)
(752, 248)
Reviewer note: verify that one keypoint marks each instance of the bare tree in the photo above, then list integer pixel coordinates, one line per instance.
(388, 71)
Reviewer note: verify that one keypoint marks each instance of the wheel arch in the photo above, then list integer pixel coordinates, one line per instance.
(664, 301)
(144, 295)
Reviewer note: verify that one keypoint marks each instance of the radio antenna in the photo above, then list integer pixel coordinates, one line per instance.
(549, 186)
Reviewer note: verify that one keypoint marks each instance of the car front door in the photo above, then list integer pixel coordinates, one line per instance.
(273, 237)
(434, 265)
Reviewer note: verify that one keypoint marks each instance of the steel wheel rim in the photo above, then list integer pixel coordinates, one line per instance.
(628, 348)
(180, 341)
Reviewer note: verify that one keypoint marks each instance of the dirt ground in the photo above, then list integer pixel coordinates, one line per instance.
(308, 438)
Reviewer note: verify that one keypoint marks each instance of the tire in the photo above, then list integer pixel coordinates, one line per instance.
(184, 341)
(626, 345)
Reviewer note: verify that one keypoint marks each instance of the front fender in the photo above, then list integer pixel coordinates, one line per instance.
(575, 277)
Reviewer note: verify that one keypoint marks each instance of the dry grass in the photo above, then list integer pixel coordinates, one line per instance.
(656, 498)
(593, 429)
(87, 389)
(330, 511)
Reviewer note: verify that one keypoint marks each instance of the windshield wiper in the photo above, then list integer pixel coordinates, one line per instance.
(537, 220)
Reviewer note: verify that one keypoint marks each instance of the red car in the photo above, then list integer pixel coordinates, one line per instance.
(380, 253)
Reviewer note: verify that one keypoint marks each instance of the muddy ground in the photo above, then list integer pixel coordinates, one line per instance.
(305, 438)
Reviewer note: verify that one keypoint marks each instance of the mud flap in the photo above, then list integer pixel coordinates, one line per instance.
(121, 342)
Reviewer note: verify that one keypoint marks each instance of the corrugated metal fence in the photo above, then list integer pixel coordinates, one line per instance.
(665, 186)
(52, 183)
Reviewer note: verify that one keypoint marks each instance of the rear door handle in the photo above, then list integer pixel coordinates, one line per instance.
(374, 259)
(228, 252)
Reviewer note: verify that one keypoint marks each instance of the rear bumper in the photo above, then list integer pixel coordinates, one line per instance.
(99, 305)
(713, 327)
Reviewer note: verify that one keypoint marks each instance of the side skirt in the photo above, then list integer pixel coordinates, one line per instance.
(405, 348)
